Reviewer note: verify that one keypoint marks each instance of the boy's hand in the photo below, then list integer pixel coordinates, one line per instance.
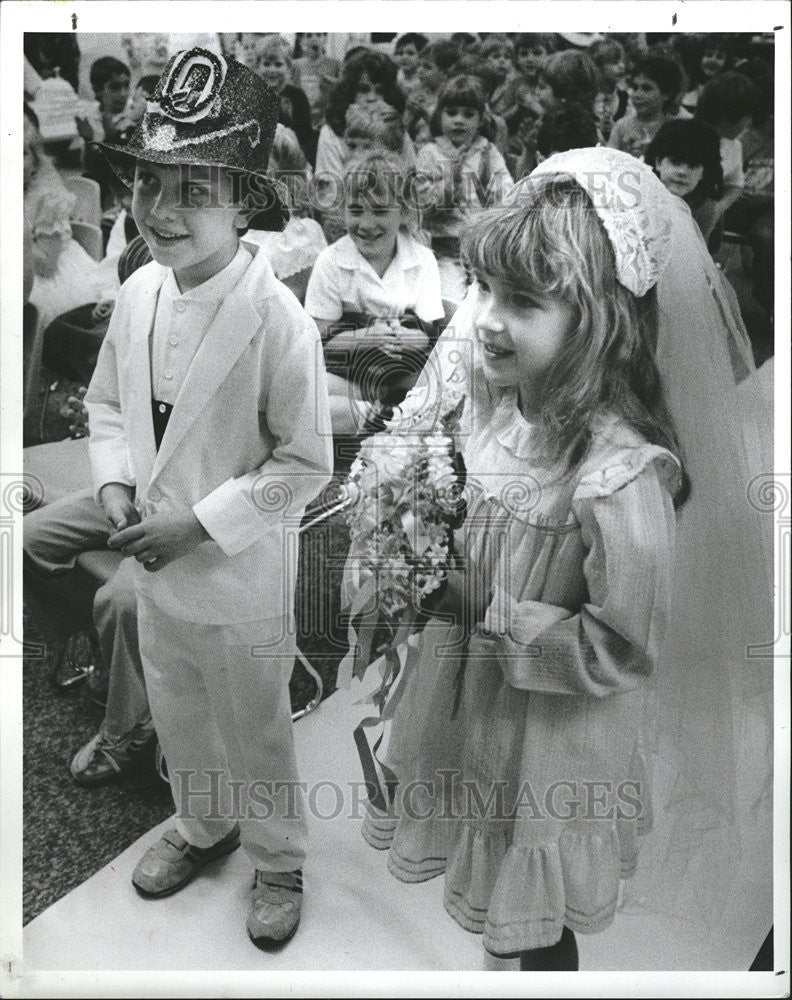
(161, 538)
(119, 506)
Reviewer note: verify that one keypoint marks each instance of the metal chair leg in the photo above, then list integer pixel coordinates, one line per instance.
(72, 665)
(314, 702)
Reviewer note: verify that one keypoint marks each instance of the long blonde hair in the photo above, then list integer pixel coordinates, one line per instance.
(553, 243)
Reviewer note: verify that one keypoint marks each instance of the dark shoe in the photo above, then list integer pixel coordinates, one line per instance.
(274, 908)
(171, 863)
(105, 758)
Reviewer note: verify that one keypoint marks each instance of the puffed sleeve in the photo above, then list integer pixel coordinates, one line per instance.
(613, 642)
(323, 296)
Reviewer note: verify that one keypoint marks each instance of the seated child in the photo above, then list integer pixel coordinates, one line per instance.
(65, 275)
(498, 52)
(611, 102)
(531, 51)
(726, 104)
(406, 54)
(110, 82)
(654, 90)
(136, 106)
(459, 173)
(274, 66)
(715, 55)
(315, 73)
(188, 499)
(367, 80)
(685, 155)
(375, 295)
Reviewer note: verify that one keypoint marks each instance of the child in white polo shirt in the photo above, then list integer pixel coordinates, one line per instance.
(375, 294)
(209, 434)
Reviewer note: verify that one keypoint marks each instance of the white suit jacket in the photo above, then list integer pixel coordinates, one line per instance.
(248, 443)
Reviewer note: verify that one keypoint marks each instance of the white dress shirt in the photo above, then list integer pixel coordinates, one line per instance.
(181, 321)
(343, 281)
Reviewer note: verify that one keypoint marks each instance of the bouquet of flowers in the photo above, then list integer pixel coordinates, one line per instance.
(407, 484)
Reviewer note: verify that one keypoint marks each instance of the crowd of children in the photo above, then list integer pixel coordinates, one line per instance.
(618, 90)
(392, 168)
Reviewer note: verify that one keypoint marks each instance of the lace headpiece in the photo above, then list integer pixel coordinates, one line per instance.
(632, 203)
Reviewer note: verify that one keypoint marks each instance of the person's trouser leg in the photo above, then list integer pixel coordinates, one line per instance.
(220, 701)
(115, 619)
(58, 595)
(65, 600)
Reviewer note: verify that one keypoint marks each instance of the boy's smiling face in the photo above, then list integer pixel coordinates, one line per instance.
(188, 217)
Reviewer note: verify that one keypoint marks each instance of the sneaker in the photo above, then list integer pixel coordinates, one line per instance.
(275, 906)
(105, 758)
(173, 862)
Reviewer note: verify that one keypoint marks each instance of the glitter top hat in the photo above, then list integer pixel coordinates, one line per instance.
(213, 111)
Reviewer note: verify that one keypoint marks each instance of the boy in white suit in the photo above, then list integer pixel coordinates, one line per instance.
(209, 434)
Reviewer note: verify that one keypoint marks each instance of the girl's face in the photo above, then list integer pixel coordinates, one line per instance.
(460, 124)
(529, 58)
(680, 178)
(373, 220)
(648, 99)
(500, 63)
(407, 57)
(274, 70)
(520, 336)
(314, 43)
(713, 62)
(368, 92)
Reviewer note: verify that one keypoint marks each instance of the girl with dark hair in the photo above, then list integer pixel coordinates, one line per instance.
(368, 78)
(714, 55)
(459, 173)
(654, 90)
(685, 155)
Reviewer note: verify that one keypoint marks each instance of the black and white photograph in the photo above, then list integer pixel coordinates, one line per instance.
(395, 498)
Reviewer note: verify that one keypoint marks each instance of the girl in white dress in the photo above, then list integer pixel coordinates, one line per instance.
(524, 737)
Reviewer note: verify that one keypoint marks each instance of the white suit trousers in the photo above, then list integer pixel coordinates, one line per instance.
(219, 698)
